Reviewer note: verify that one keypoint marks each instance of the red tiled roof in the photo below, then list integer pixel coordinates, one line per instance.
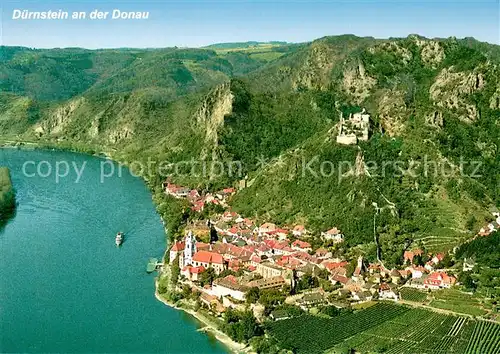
(299, 228)
(256, 259)
(178, 246)
(333, 265)
(301, 244)
(340, 279)
(440, 256)
(418, 252)
(200, 246)
(208, 257)
(333, 231)
(439, 278)
(408, 255)
(197, 270)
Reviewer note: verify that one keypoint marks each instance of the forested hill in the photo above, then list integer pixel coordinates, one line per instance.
(274, 107)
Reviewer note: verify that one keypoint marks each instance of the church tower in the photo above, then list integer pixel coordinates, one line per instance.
(189, 249)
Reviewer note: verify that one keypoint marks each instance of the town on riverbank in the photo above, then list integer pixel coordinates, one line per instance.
(244, 279)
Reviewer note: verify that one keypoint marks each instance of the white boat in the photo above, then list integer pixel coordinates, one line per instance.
(119, 238)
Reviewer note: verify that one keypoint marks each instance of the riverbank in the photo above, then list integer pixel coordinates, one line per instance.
(208, 325)
(7, 194)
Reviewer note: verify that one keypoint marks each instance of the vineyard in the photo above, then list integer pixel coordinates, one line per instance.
(309, 334)
(388, 328)
(414, 295)
(422, 331)
(454, 300)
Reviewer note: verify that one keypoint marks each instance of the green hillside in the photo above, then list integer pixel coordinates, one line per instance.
(275, 108)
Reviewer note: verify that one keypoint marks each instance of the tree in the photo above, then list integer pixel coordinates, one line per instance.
(252, 295)
(241, 326)
(466, 279)
(207, 277)
(271, 298)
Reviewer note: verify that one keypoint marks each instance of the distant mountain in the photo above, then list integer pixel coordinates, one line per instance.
(275, 108)
(249, 44)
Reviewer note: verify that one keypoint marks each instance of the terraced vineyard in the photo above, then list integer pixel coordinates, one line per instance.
(388, 328)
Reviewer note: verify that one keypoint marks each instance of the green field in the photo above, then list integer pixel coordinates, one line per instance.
(387, 328)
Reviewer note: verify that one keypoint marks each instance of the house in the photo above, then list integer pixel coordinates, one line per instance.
(311, 299)
(409, 255)
(418, 283)
(375, 278)
(282, 234)
(439, 280)
(267, 228)
(388, 291)
(229, 286)
(301, 246)
(339, 279)
(176, 191)
(395, 276)
(225, 193)
(193, 195)
(405, 273)
(269, 270)
(175, 251)
(209, 259)
(299, 231)
(212, 302)
(469, 264)
(267, 283)
(484, 231)
(362, 296)
(437, 258)
(417, 271)
(229, 216)
(322, 253)
(334, 235)
(192, 273)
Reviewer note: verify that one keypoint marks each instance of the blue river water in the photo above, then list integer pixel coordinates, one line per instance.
(64, 285)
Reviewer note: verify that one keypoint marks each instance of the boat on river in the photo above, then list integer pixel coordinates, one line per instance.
(119, 239)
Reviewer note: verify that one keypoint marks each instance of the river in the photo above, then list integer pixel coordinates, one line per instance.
(64, 285)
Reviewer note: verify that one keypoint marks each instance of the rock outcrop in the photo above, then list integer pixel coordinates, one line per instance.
(431, 52)
(357, 83)
(392, 112)
(452, 90)
(495, 99)
(59, 119)
(210, 115)
(315, 72)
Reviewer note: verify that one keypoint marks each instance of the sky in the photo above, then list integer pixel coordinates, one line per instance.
(195, 23)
